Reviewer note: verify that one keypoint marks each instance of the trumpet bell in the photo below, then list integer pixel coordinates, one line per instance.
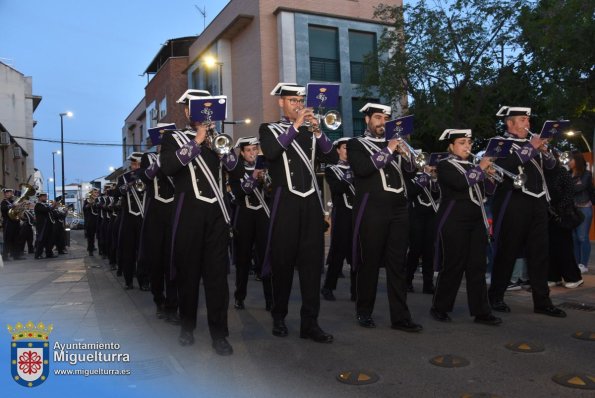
(421, 160)
(332, 120)
(564, 158)
(222, 144)
(519, 181)
(139, 185)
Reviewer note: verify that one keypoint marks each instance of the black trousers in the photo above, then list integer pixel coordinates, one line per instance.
(129, 239)
(100, 237)
(91, 233)
(200, 242)
(11, 239)
(26, 238)
(113, 237)
(463, 239)
(521, 222)
(383, 239)
(563, 265)
(340, 248)
(250, 239)
(422, 230)
(154, 254)
(44, 239)
(59, 236)
(105, 232)
(296, 241)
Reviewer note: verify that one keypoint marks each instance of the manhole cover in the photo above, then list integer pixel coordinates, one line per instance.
(449, 361)
(525, 346)
(575, 380)
(584, 335)
(357, 377)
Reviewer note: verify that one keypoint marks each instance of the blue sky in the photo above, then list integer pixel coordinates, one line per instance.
(85, 57)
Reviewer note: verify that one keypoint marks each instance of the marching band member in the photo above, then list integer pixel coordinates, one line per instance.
(114, 227)
(462, 230)
(90, 214)
(340, 180)
(200, 227)
(26, 231)
(290, 150)
(133, 203)
(381, 218)
(521, 215)
(424, 199)
(155, 238)
(44, 226)
(10, 228)
(251, 218)
(59, 231)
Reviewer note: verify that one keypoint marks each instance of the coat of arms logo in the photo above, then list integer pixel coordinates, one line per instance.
(30, 353)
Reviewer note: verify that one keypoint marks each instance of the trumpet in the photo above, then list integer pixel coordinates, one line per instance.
(518, 180)
(222, 144)
(420, 158)
(137, 184)
(563, 156)
(332, 119)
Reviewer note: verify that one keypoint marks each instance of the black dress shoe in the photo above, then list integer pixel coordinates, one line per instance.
(91, 254)
(36, 257)
(173, 318)
(500, 306)
(407, 326)
(488, 319)
(50, 256)
(268, 305)
(439, 315)
(222, 347)
(551, 311)
(145, 287)
(316, 334)
(365, 321)
(239, 305)
(279, 328)
(327, 294)
(186, 338)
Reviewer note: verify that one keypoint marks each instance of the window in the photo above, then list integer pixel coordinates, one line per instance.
(324, 54)
(163, 108)
(361, 45)
(359, 124)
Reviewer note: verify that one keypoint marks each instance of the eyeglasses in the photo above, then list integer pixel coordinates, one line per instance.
(294, 101)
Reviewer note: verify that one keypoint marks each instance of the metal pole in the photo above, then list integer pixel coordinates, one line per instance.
(62, 155)
(54, 172)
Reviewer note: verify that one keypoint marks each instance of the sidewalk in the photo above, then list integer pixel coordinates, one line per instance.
(88, 305)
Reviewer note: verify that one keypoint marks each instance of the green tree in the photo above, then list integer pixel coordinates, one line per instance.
(446, 57)
(557, 38)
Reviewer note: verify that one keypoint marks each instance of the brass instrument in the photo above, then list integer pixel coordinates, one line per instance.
(518, 180)
(137, 184)
(420, 158)
(222, 144)
(332, 120)
(21, 204)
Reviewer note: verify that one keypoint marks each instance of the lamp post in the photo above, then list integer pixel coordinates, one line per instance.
(68, 114)
(210, 62)
(579, 133)
(54, 170)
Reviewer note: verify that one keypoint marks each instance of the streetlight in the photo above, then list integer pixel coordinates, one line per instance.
(68, 114)
(571, 133)
(54, 169)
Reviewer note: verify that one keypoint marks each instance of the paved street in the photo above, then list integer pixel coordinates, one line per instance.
(86, 303)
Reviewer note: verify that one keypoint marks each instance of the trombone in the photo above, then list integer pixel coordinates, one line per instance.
(518, 180)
